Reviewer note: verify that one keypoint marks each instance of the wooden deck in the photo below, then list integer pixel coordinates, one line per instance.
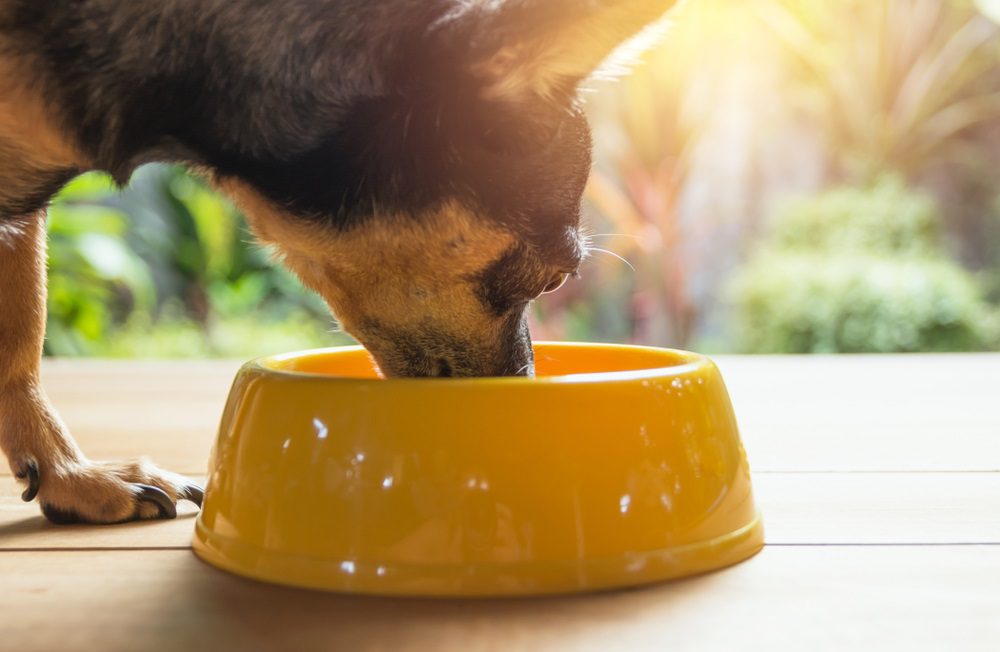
(878, 477)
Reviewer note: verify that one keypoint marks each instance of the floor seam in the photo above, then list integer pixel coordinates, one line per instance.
(881, 544)
(96, 549)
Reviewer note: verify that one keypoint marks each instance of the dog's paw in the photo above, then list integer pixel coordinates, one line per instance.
(105, 492)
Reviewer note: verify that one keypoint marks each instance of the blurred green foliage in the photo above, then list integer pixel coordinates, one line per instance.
(859, 270)
(167, 268)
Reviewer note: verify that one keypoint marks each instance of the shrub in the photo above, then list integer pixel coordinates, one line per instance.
(859, 270)
(167, 268)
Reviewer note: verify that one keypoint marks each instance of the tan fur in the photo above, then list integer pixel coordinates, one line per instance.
(394, 270)
(31, 138)
(22, 296)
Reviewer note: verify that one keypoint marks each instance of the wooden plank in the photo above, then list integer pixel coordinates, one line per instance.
(793, 598)
(868, 413)
(808, 508)
(874, 508)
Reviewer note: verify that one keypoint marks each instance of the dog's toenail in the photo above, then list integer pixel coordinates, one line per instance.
(30, 472)
(158, 497)
(194, 493)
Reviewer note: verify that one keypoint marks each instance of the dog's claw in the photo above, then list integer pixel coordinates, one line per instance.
(159, 498)
(30, 472)
(194, 493)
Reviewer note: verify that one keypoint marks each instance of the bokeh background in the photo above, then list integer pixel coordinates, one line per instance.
(780, 176)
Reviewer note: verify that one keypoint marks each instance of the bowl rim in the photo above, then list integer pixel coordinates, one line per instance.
(691, 362)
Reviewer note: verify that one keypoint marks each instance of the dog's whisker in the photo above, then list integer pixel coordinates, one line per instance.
(613, 254)
(614, 235)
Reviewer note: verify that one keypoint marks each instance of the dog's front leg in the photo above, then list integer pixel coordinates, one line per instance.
(38, 446)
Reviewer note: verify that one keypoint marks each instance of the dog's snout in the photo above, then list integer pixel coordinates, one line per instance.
(503, 350)
(442, 368)
(466, 366)
(401, 357)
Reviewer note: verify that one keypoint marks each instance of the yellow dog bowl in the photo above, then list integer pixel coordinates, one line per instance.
(616, 466)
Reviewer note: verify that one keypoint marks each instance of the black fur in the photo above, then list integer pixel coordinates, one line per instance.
(347, 105)
(509, 282)
(44, 185)
(60, 516)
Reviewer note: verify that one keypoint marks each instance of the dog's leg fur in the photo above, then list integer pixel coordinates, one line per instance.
(34, 162)
(36, 442)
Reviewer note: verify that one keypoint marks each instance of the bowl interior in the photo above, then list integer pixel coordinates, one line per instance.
(551, 361)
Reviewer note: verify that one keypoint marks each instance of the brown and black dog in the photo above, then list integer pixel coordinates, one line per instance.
(418, 163)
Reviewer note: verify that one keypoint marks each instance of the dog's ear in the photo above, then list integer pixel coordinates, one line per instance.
(523, 51)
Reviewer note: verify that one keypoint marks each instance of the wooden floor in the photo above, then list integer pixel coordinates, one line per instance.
(878, 477)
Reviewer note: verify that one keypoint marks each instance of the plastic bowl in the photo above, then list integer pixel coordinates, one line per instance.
(616, 466)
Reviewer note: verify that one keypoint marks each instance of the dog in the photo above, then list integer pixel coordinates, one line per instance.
(418, 163)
